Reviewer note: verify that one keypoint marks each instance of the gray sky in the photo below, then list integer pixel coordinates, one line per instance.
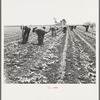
(39, 12)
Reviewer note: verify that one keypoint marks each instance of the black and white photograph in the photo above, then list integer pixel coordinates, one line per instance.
(49, 42)
(50, 49)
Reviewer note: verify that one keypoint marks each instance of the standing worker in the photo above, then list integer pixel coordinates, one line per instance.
(25, 34)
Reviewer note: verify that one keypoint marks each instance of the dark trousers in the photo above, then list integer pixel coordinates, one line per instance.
(25, 37)
(71, 28)
(64, 31)
(86, 29)
(53, 33)
(40, 39)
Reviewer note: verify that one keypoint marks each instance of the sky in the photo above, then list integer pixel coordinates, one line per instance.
(42, 12)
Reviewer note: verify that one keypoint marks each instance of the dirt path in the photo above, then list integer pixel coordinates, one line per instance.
(63, 58)
(86, 33)
(85, 60)
(80, 61)
(90, 40)
(84, 41)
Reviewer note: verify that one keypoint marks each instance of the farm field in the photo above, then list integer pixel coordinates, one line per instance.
(64, 59)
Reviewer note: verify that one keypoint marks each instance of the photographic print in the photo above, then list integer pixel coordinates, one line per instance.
(49, 41)
(50, 49)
